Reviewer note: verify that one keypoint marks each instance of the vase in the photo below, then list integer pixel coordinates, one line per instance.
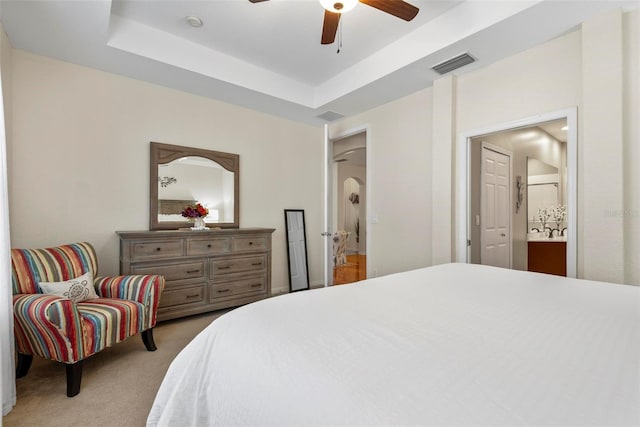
(198, 224)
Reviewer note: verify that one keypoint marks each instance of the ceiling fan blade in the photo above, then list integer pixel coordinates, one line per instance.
(329, 27)
(398, 8)
(257, 1)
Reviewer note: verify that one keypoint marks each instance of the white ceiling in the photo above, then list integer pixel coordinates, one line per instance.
(555, 128)
(267, 56)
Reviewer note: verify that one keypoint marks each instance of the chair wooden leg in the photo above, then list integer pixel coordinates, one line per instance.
(74, 377)
(23, 365)
(147, 339)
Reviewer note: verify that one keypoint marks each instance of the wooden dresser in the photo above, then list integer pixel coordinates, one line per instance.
(204, 270)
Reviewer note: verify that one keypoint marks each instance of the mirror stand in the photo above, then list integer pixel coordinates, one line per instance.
(296, 249)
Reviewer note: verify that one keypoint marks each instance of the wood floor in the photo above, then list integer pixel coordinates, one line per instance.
(353, 271)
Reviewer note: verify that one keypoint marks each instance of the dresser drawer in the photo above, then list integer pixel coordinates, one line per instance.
(237, 265)
(255, 285)
(203, 270)
(249, 243)
(186, 270)
(157, 249)
(210, 246)
(175, 297)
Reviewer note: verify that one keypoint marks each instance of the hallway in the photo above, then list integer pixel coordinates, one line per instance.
(354, 270)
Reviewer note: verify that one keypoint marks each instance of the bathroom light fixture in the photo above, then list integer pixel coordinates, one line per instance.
(340, 6)
(565, 128)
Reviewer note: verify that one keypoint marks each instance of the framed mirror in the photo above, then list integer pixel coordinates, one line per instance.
(296, 249)
(184, 176)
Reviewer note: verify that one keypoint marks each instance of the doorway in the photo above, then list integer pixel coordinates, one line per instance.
(350, 235)
(541, 193)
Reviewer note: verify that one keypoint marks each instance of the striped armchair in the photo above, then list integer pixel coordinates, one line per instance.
(59, 329)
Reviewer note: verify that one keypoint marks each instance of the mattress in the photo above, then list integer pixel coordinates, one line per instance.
(454, 344)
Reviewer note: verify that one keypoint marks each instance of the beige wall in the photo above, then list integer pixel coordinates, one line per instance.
(399, 147)
(88, 132)
(6, 54)
(631, 153)
(79, 159)
(423, 128)
(562, 73)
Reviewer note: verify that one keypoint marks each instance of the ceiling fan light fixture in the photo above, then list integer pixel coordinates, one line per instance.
(338, 6)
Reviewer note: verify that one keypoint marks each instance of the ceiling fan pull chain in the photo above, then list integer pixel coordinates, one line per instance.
(339, 36)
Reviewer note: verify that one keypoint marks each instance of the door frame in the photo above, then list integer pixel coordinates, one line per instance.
(500, 150)
(330, 195)
(463, 164)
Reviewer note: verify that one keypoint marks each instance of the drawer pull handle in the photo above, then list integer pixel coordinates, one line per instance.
(257, 263)
(250, 243)
(158, 249)
(255, 285)
(209, 245)
(193, 296)
(222, 290)
(193, 271)
(226, 267)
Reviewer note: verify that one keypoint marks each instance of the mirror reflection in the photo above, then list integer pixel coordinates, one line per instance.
(296, 249)
(546, 202)
(190, 180)
(193, 187)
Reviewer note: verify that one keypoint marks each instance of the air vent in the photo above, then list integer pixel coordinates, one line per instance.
(330, 116)
(453, 63)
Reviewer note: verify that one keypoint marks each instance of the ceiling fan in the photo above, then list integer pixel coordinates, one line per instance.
(334, 8)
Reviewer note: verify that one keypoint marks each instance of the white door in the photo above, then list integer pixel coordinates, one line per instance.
(297, 250)
(495, 212)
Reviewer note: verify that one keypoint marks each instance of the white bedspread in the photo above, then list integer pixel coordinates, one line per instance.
(454, 344)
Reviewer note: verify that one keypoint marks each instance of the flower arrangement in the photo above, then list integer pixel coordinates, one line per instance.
(542, 216)
(195, 211)
(559, 214)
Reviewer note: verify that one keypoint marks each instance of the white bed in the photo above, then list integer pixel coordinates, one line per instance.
(455, 344)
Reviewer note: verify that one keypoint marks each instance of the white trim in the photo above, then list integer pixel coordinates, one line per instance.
(369, 177)
(7, 338)
(463, 159)
(327, 208)
(509, 154)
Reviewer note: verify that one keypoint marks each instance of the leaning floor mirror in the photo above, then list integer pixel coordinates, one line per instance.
(296, 249)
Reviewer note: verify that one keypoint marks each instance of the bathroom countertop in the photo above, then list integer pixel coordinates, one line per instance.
(543, 237)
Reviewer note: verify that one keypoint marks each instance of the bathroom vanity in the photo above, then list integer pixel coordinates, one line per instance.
(547, 254)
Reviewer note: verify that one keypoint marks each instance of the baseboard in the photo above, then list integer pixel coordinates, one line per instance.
(313, 285)
(279, 292)
(316, 284)
(8, 406)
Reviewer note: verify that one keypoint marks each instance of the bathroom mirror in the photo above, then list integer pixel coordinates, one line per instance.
(543, 190)
(296, 249)
(183, 176)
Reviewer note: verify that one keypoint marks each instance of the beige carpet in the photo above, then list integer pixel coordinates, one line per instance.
(118, 384)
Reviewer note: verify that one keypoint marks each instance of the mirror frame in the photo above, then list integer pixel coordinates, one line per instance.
(165, 153)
